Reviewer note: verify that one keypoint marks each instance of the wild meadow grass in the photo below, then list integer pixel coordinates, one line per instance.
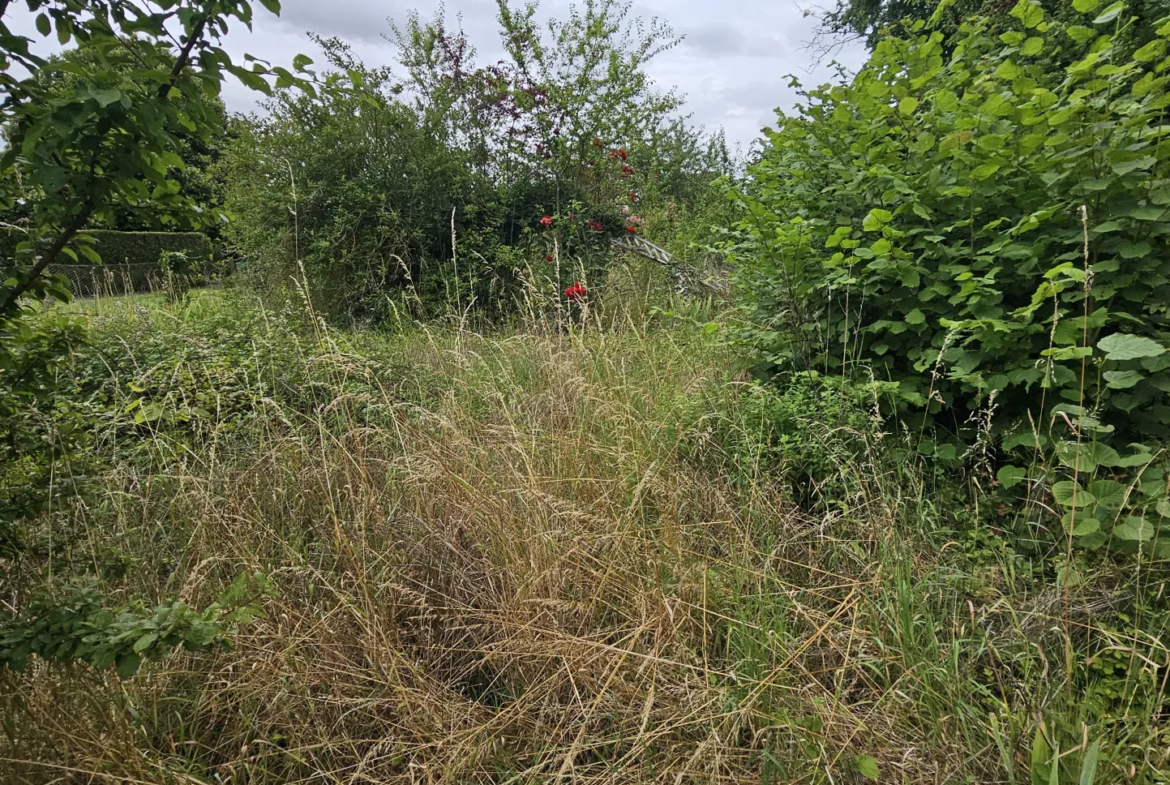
(550, 555)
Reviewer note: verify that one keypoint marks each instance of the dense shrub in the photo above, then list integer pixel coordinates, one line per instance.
(986, 230)
(925, 222)
(427, 182)
(128, 247)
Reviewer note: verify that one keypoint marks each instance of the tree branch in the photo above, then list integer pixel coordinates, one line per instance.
(46, 259)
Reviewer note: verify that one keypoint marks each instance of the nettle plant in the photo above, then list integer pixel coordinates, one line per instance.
(988, 231)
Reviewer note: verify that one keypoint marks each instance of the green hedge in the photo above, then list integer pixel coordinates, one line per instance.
(129, 247)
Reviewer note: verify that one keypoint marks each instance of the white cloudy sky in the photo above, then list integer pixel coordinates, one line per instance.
(732, 66)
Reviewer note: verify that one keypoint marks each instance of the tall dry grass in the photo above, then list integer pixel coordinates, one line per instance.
(497, 564)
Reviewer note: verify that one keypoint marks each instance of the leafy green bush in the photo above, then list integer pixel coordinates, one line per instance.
(128, 247)
(76, 624)
(987, 231)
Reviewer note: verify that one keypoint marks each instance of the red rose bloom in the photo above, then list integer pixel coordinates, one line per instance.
(546, 221)
(631, 229)
(575, 293)
(548, 258)
(627, 171)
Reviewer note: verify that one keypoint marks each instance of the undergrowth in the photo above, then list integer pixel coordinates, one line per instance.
(578, 555)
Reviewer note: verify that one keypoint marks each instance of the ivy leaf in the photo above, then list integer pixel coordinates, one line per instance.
(1110, 13)
(867, 767)
(1122, 380)
(1010, 476)
(1129, 347)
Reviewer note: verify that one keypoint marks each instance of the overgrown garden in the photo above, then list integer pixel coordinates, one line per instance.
(857, 473)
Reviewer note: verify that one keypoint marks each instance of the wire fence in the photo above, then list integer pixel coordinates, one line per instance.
(113, 280)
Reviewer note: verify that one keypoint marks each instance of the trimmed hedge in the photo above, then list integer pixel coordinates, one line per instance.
(129, 247)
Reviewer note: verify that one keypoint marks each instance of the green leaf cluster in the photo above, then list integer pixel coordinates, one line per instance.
(77, 624)
(924, 224)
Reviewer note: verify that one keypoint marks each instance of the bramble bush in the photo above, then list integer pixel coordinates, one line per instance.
(988, 231)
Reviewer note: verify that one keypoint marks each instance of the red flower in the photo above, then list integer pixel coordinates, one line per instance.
(548, 257)
(546, 222)
(633, 196)
(576, 292)
(618, 154)
(539, 147)
(594, 225)
(570, 216)
(631, 229)
(627, 171)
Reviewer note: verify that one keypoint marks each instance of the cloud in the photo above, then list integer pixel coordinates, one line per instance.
(732, 66)
(720, 40)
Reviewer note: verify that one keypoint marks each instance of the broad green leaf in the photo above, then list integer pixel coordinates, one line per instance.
(1069, 494)
(1032, 47)
(1029, 13)
(1134, 250)
(144, 643)
(1110, 13)
(867, 767)
(1147, 213)
(1089, 763)
(1081, 524)
(915, 317)
(1151, 51)
(1086, 6)
(44, 26)
(127, 665)
(1109, 494)
(908, 105)
(106, 97)
(1040, 756)
(984, 171)
(1163, 507)
(1123, 380)
(1134, 529)
(271, 5)
(1011, 476)
(1080, 33)
(1129, 347)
